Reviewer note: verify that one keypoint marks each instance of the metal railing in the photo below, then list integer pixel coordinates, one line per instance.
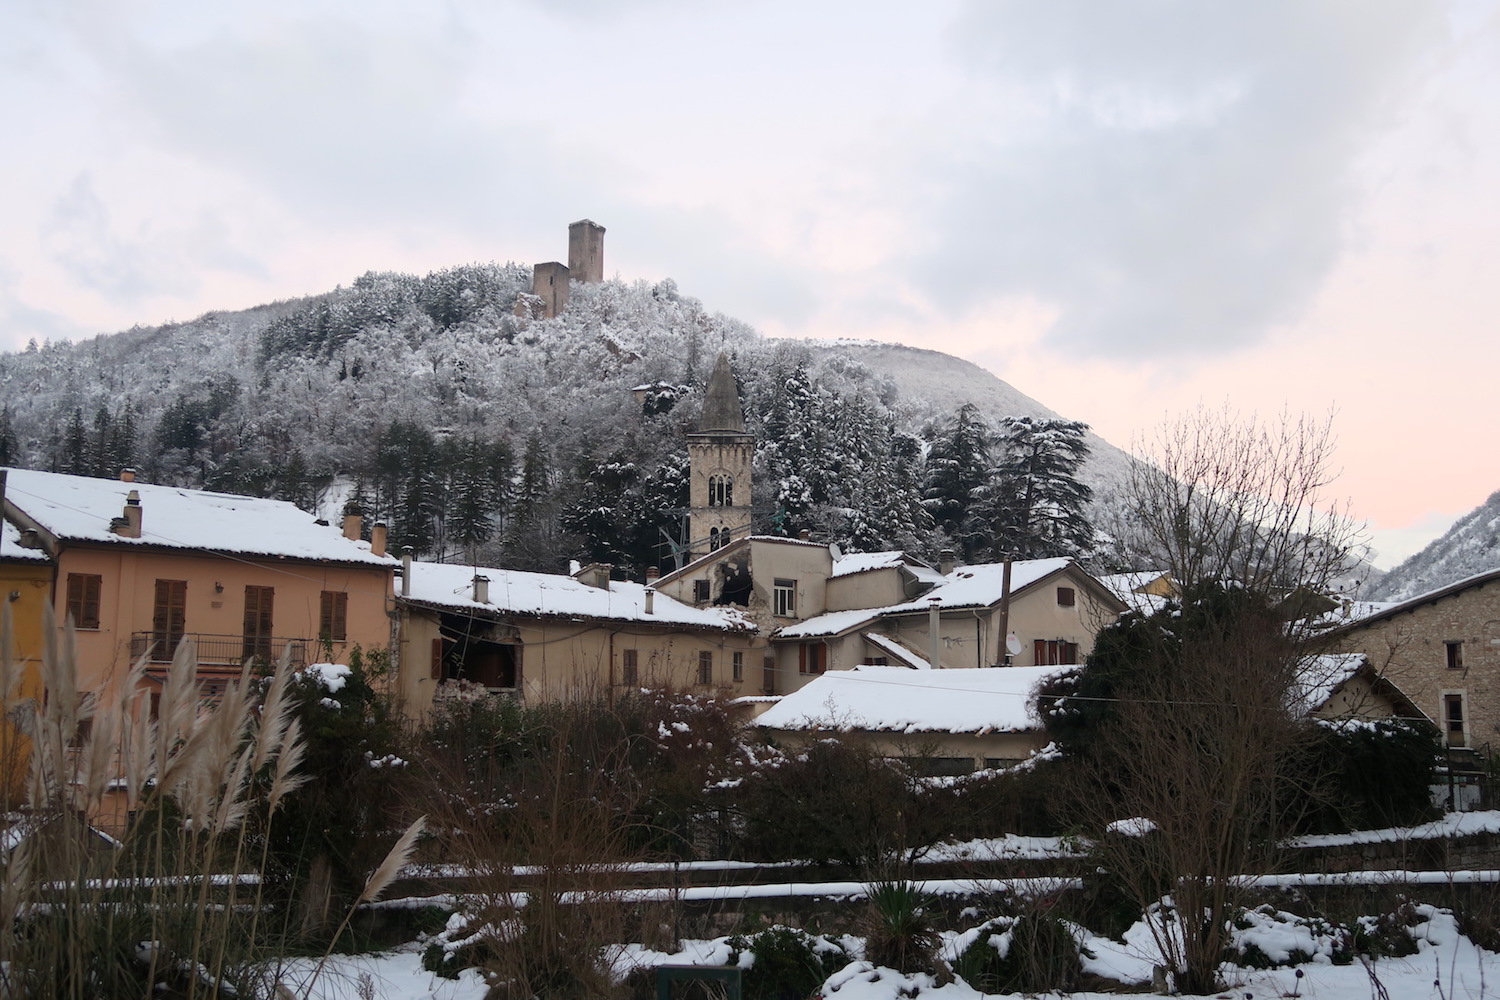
(223, 650)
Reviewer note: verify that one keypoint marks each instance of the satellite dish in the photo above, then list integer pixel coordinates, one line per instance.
(835, 551)
(1012, 644)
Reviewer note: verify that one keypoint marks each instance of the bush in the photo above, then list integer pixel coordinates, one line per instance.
(838, 803)
(789, 964)
(1375, 774)
(1034, 953)
(898, 933)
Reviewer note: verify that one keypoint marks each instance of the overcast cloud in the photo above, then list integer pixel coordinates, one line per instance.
(1158, 197)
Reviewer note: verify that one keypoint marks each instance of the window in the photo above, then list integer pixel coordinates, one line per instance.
(333, 617)
(705, 667)
(1455, 651)
(257, 621)
(1453, 718)
(876, 661)
(168, 618)
(720, 491)
(768, 674)
(715, 539)
(630, 671)
(784, 599)
(811, 658)
(83, 599)
(738, 662)
(1047, 652)
(700, 591)
(1066, 597)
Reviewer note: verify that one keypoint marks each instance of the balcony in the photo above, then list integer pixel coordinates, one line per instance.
(220, 650)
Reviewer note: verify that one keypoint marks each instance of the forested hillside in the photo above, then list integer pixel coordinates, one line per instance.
(1471, 546)
(482, 434)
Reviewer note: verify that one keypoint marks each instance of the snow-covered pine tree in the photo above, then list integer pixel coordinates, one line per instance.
(1034, 504)
(958, 471)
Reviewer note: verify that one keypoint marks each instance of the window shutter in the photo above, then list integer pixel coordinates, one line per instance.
(437, 659)
(1039, 652)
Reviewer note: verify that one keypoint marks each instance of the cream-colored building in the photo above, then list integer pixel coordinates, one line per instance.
(544, 637)
(824, 613)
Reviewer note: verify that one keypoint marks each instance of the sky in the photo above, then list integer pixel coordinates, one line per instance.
(1124, 210)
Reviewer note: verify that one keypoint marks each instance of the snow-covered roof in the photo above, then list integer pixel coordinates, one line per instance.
(1319, 677)
(894, 648)
(10, 545)
(898, 699)
(966, 587)
(1376, 611)
(80, 509)
(863, 562)
(513, 592)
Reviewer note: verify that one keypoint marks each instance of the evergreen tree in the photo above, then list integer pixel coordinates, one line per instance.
(1034, 504)
(10, 449)
(474, 493)
(958, 471)
(75, 447)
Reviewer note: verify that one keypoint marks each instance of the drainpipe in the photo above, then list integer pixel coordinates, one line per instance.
(934, 624)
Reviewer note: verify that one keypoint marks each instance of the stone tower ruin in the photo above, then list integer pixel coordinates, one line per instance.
(549, 281)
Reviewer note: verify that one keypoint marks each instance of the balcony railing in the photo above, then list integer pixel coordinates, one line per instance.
(220, 650)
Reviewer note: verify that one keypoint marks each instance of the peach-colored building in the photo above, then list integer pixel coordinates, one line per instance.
(139, 568)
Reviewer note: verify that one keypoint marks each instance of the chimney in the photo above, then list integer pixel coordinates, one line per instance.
(594, 575)
(935, 631)
(127, 475)
(377, 539)
(650, 600)
(406, 571)
(652, 575)
(805, 535)
(481, 589)
(945, 561)
(128, 525)
(354, 520)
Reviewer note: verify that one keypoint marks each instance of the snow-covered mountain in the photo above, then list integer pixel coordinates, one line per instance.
(396, 381)
(1471, 546)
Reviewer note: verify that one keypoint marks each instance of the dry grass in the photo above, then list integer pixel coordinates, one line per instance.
(175, 899)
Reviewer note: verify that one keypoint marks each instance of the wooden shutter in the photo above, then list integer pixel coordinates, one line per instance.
(1039, 652)
(437, 659)
(169, 617)
(333, 616)
(258, 602)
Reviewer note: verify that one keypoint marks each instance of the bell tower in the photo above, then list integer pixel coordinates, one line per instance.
(720, 453)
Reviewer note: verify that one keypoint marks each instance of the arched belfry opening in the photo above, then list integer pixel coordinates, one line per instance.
(720, 453)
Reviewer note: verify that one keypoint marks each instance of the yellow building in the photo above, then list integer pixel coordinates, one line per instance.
(139, 568)
(25, 588)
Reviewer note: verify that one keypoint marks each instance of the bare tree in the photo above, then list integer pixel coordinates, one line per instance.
(1190, 722)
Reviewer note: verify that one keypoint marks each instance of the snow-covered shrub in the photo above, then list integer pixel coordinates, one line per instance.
(1034, 953)
(784, 963)
(1268, 938)
(899, 933)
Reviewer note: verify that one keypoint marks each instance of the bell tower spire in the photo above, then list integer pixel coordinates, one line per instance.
(720, 453)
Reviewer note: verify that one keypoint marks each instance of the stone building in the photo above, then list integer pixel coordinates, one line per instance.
(1443, 649)
(720, 453)
(550, 280)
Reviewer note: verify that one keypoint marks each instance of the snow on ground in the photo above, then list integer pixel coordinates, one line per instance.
(395, 975)
(1454, 824)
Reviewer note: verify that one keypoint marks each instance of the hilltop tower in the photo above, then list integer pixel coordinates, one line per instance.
(586, 251)
(720, 453)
